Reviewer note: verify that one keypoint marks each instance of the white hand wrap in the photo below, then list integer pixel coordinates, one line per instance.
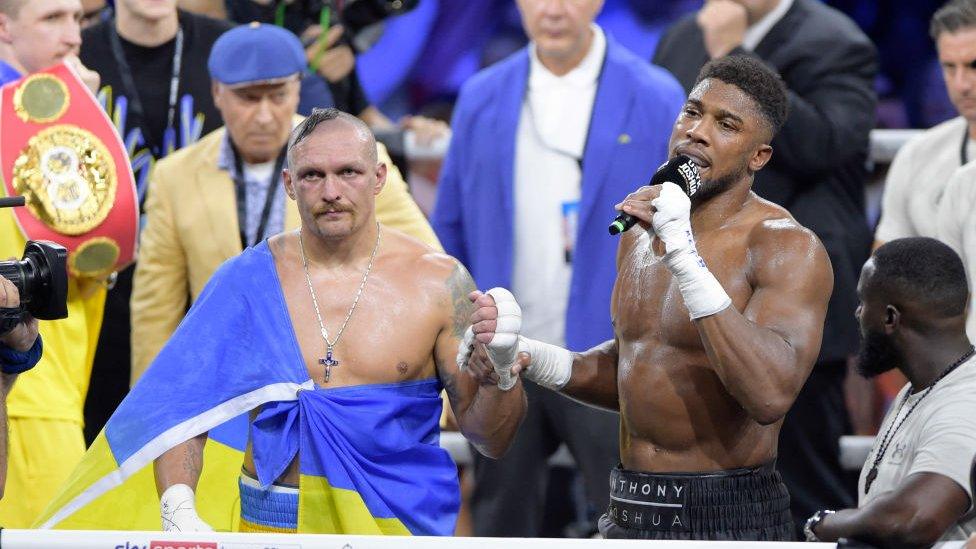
(465, 349)
(702, 292)
(551, 366)
(178, 511)
(504, 346)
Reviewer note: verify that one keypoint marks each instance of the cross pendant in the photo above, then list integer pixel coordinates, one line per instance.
(328, 362)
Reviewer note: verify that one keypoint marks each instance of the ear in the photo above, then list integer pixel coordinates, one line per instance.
(892, 319)
(760, 157)
(6, 36)
(289, 184)
(380, 178)
(215, 91)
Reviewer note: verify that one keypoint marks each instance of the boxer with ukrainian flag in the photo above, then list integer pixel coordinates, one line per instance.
(300, 393)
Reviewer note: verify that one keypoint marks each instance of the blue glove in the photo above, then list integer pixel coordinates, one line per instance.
(15, 362)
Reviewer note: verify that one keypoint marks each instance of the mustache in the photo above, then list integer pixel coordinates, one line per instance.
(334, 208)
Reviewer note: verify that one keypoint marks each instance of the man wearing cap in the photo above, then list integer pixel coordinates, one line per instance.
(45, 407)
(152, 58)
(209, 201)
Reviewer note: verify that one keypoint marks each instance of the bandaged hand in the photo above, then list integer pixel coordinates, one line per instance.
(178, 511)
(496, 322)
(703, 294)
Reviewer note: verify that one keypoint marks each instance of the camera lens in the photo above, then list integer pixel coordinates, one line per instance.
(41, 279)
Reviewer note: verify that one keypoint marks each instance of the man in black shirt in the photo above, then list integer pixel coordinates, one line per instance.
(156, 87)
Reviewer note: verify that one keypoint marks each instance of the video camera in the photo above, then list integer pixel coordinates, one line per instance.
(41, 278)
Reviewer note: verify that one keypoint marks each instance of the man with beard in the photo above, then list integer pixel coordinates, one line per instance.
(701, 399)
(916, 486)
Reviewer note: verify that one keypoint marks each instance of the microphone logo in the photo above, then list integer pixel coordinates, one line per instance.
(689, 172)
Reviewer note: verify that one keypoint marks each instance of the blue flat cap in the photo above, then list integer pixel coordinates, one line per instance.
(256, 54)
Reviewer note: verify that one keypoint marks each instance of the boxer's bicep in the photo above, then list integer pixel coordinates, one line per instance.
(794, 281)
(460, 388)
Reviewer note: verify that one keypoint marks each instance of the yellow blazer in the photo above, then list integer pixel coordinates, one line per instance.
(191, 228)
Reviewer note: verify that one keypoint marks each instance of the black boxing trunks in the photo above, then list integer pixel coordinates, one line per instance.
(738, 504)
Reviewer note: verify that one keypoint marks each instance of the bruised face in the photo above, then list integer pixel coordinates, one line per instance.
(42, 33)
(877, 353)
(957, 52)
(721, 129)
(334, 176)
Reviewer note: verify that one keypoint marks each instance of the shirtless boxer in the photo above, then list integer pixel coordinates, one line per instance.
(701, 399)
(393, 309)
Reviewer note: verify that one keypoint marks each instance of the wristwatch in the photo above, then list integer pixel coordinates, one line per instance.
(815, 521)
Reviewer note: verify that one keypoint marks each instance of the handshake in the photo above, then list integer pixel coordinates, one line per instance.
(504, 353)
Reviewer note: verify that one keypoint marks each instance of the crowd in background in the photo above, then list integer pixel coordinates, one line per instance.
(407, 73)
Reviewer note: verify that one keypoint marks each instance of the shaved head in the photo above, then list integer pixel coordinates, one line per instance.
(331, 115)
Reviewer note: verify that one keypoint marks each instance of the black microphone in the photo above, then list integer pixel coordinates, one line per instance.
(680, 170)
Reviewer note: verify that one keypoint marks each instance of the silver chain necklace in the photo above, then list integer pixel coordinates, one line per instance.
(329, 361)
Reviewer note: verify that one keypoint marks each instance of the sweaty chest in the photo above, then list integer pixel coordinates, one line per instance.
(647, 304)
(386, 339)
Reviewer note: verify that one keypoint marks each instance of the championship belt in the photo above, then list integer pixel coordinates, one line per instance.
(60, 151)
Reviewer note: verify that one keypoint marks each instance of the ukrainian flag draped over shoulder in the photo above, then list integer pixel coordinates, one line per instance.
(370, 457)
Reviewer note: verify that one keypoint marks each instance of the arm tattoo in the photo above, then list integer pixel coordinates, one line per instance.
(450, 387)
(460, 285)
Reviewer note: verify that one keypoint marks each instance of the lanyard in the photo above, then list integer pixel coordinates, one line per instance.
(963, 155)
(240, 189)
(129, 85)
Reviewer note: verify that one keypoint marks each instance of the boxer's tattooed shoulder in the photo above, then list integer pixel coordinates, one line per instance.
(460, 285)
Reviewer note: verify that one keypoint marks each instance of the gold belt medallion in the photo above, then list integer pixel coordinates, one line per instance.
(41, 99)
(68, 178)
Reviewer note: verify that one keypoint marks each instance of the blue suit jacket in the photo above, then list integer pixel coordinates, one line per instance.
(635, 107)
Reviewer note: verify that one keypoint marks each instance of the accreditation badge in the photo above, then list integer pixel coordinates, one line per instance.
(60, 151)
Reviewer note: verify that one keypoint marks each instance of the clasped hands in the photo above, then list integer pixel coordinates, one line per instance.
(490, 348)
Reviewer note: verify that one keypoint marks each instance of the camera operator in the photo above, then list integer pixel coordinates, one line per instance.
(45, 408)
(20, 349)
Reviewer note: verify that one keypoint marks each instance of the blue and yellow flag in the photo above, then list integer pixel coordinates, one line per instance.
(369, 456)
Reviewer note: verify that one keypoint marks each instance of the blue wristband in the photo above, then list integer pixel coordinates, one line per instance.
(15, 362)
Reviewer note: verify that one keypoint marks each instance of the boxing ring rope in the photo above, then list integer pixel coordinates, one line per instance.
(107, 539)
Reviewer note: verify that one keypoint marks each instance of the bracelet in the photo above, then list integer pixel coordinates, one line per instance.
(815, 521)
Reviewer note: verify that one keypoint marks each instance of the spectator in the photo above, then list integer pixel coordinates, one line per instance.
(45, 408)
(817, 172)
(916, 486)
(334, 82)
(956, 224)
(20, 350)
(921, 169)
(234, 177)
(544, 143)
(153, 62)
